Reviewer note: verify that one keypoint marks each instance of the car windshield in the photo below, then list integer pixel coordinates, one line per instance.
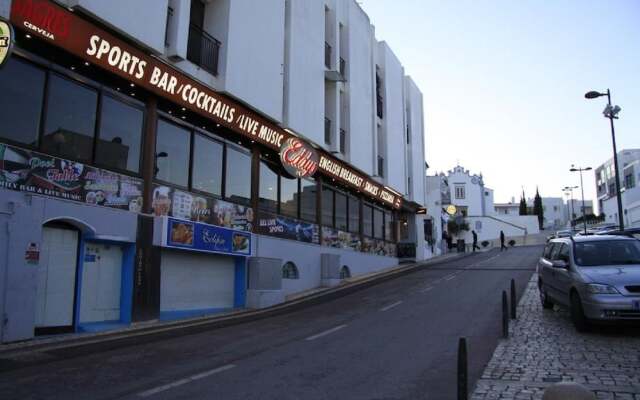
(607, 252)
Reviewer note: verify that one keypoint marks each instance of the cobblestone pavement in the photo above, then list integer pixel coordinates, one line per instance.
(543, 348)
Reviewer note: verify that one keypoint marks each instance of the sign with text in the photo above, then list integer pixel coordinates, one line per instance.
(197, 236)
(64, 29)
(298, 158)
(288, 228)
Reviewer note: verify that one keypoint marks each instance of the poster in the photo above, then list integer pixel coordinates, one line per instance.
(379, 247)
(28, 171)
(340, 239)
(288, 228)
(167, 201)
(205, 237)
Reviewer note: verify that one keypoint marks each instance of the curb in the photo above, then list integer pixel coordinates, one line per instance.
(114, 339)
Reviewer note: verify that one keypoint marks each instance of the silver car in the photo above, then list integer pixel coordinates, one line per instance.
(596, 277)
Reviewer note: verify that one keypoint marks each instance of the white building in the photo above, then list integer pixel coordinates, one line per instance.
(573, 208)
(629, 165)
(554, 214)
(284, 126)
(510, 208)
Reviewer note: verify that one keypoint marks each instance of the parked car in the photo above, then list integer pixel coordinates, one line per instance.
(630, 232)
(597, 277)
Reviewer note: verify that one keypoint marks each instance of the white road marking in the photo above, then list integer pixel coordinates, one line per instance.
(450, 277)
(325, 333)
(390, 306)
(426, 289)
(184, 381)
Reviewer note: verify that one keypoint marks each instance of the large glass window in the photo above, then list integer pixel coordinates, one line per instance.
(341, 211)
(367, 220)
(120, 135)
(238, 176)
(308, 200)
(172, 153)
(268, 200)
(21, 94)
(354, 214)
(327, 206)
(207, 165)
(289, 196)
(388, 226)
(378, 224)
(71, 118)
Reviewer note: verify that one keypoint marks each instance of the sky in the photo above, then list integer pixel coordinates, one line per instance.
(504, 82)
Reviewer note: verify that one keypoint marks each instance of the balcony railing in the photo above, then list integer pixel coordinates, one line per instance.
(379, 106)
(343, 66)
(327, 55)
(343, 140)
(203, 49)
(327, 130)
(381, 166)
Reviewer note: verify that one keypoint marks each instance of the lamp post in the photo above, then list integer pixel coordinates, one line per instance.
(569, 191)
(612, 113)
(574, 169)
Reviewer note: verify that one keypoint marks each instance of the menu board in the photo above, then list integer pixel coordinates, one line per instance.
(288, 228)
(28, 171)
(168, 201)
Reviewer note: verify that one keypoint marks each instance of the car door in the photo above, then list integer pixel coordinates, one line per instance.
(550, 277)
(544, 264)
(562, 276)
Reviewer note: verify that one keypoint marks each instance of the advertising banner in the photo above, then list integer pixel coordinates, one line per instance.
(204, 237)
(167, 201)
(340, 239)
(28, 171)
(288, 228)
(379, 247)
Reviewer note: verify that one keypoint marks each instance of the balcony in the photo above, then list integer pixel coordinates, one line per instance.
(203, 49)
(343, 140)
(327, 130)
(380, 166)
(379, 106)
(327, 55)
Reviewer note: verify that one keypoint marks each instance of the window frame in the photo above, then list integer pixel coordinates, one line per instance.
(295, 271)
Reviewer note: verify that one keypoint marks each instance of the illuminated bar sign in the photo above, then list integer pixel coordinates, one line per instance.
(64, 29)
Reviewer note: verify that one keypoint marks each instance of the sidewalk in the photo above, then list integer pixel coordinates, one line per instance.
(293, 302)
(544, 348)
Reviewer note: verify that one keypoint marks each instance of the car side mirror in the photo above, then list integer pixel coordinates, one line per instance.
(559, 264)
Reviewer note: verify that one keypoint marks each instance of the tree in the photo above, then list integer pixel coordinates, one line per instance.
(537, 208)
(523, 204)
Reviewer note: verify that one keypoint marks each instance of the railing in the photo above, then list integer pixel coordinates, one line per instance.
(343, 140)
(343, 66)
(379, 106)
(380, 166)
(327, 130)
(327, 55)
(203, 49)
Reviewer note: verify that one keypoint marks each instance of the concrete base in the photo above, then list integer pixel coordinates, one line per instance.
(264, 298)
(330, 282)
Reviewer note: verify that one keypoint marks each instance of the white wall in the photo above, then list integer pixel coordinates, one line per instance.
(125, 16)
(473, 191)
(488, 228)
(416, 149)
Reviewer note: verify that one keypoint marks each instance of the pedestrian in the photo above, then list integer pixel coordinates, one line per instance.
(444, 241)
(502, 246)
(475, 241)
(449, 241)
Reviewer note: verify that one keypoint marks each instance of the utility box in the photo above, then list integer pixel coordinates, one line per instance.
(330, 264)
(264, 286)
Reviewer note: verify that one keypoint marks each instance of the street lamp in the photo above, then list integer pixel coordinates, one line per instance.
(574, 169)
(569, 191)
(611, 113)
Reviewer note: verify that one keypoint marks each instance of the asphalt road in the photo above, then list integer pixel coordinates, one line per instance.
(395, 340)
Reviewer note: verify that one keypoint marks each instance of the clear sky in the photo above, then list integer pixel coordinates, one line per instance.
(504, 83)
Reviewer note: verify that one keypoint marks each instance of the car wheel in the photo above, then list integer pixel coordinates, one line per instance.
(544, 298)
(577, 314)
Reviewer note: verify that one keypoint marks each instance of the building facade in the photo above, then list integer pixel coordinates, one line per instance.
(189, 165)
(629, 165)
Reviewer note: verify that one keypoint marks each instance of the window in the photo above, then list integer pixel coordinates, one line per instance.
(289, 196)
(367, 220)
(21, 95)
(345, 272)
(388, 226)
(172, 153)
(341, 211)
(609, 252)
(308, 200)
(354, 215)
(563, 254)
(327, 206)
(290, 271)
(460, 192)
(71, 119)
(555, 251)
(268, 200)
(547, 251)
(120, 135)
(207, 165)
(378, 224)
(628, 181)
(238, 176)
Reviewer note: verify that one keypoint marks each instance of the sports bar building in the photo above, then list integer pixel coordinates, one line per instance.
(167, 159)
